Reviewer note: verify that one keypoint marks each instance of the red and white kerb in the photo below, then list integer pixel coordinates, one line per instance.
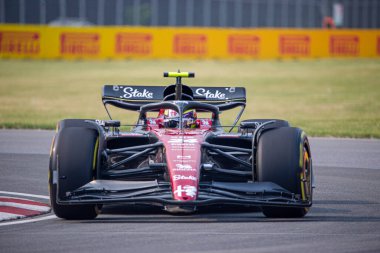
(17, 208)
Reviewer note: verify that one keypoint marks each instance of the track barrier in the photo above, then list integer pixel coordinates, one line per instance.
(46, 42)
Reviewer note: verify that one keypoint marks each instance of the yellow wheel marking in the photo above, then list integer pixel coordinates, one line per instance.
(95, 154)
(302, 174)
(51, 152)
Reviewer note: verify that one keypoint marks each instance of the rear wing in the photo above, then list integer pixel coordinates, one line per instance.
(132, 97)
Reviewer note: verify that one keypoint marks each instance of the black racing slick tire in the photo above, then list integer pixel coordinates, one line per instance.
(284, 158)
(72, 165)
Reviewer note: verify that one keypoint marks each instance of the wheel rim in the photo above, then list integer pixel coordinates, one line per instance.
(305, 176)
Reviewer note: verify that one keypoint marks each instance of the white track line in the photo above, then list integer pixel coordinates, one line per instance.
(17, 222)
(25, 195)
(25, 206)
(10, 216)
(28, 220)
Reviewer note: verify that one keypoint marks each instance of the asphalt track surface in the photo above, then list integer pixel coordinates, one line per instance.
(345, 216)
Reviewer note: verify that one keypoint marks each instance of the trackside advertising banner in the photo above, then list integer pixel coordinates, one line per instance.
(44, 42)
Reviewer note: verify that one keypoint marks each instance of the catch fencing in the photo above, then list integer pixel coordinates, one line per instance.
(194, 13)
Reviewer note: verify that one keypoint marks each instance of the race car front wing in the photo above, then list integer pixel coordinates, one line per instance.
(160, 193)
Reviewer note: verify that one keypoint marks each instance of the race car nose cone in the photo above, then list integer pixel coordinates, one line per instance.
(183, 158)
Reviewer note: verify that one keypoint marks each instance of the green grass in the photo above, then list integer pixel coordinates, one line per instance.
(324, 97)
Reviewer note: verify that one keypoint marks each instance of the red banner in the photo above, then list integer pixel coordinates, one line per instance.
(190, 44)
(133, 44)
(243, 45)
(294, 45)
(80, 44)
(344, 45)
(20, 43)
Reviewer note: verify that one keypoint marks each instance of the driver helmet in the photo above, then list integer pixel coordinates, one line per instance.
(189, 119)
(171, 119)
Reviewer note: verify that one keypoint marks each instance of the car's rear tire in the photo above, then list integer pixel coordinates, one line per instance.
(284, 158)
(72, 164)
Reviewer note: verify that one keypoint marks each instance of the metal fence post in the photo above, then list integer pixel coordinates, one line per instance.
(345, 13)
(254, 13)
(42, 12)
(206, 13)
(22, 11)
(172, 12)
(189, 12)
(2, 11)
(100, 12)
(270, 13)
(298, 13)
(324, 8)
(355, 14)
(223, 13)
(62, 9)
(365, 14)
(284, 13)
(154, 11)
(119, 12)
(136, 12)
(311, 15)
(374, 13)
(238, 13)
(82, 9)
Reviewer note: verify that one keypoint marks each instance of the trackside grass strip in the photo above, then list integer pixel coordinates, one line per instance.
(324, 97)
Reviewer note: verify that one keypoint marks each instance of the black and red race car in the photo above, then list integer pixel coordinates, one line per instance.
(178, 155)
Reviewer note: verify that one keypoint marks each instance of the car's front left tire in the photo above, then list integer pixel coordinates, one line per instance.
(284, 158)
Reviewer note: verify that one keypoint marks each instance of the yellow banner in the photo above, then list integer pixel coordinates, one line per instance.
(44, 42)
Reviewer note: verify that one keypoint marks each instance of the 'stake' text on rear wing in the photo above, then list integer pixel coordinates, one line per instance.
(141, 95)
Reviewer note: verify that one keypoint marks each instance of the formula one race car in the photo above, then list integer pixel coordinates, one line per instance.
(176, 159)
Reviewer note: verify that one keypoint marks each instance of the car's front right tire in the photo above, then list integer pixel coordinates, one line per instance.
(72, 165)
